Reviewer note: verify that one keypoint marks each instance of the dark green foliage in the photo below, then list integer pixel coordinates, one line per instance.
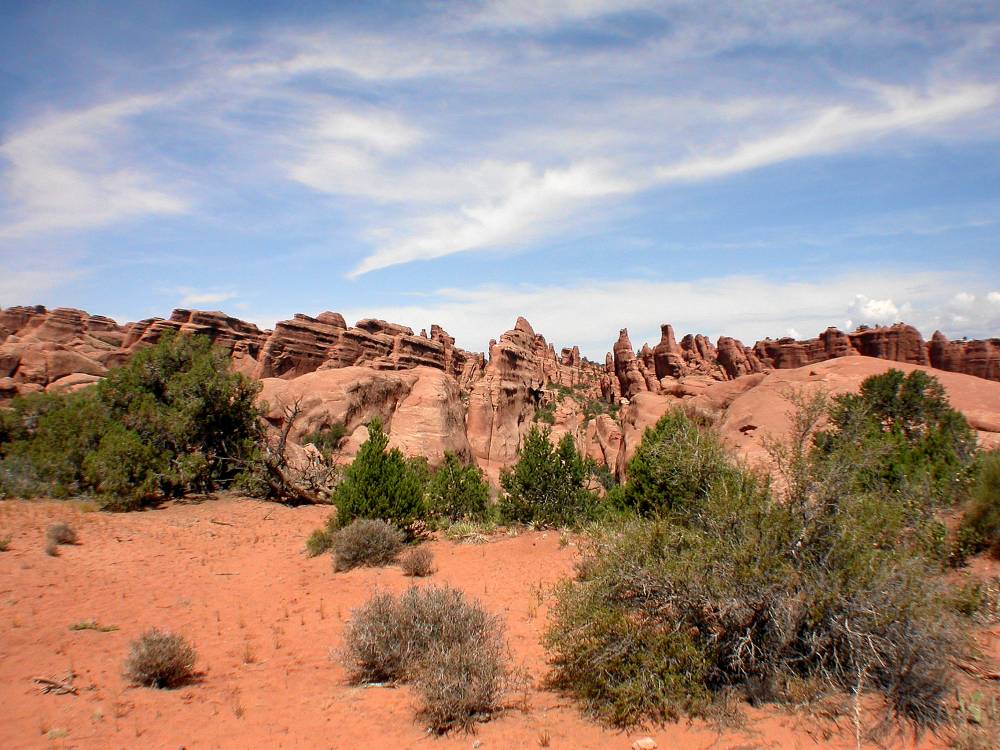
(675, 466)
(546, 485)
(182, 398)
(980, 527)
(729, 588)
(59, 432)
(379, 484)
(449, 646)
(327, 439)
(921, 444)
(160, 659)
(365, 543)
(174, 419)
(457, 491)
(600, 473)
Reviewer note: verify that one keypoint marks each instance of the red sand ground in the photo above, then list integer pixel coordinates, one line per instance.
(230, 574)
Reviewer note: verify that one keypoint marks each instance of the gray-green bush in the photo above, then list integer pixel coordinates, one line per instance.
(447, 645)
(160, 659)
(727, 587)
(365, 542)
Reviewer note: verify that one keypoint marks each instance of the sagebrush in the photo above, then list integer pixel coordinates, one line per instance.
(728, 586)
(418, 562)
(365, 542)
(160, 659)
(447, 645)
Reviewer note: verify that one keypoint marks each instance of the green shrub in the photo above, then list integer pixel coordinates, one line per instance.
(365, 542)
(675, 466)
(728, 588)
(904, 437)
(379, 484)
(457, 491)
(320, 541)
(327, 439)
(980, 526)
(160, 659)
(546, 413)
(449, 646)
(174, 419)
(546, 485)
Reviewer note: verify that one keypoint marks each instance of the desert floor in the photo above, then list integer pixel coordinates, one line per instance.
(231, 575)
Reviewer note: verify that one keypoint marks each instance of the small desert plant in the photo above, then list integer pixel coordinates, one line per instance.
(319, 542)
(365, 542)
(980, 527)
(327, 439)
(60, 533)
(461, 683)
(418, 562)
(452, 649)
(160, 659)
(5, 543)
(93, 625)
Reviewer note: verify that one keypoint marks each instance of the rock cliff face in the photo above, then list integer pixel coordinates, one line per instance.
(435, 397)
(514, 387)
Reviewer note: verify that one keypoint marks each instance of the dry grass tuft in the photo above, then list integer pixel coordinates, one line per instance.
(160, 659)
(366, 542)
(60, 533)
(418, 562)
(449, 647)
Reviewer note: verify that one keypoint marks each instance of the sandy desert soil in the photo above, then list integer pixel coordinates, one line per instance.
(230, 574)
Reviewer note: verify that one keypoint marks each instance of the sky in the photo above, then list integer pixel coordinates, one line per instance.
(733, 168)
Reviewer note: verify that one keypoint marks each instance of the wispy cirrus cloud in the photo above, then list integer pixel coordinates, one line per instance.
(502, 124)
(63, 174)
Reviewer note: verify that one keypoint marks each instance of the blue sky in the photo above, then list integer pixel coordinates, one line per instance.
(748, 169)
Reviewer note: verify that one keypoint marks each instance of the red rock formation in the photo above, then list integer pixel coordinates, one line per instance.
(979, 358)
(668, 358)
(900, 343)
(736, 359)
(299, 345)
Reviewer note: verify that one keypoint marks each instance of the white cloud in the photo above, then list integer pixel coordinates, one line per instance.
(531, 13)
(963, 300)
(876, 311)
(994, 297)
(63, 173)
(196, 298)
(532, 204)
(521, 212)
(834, 129)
